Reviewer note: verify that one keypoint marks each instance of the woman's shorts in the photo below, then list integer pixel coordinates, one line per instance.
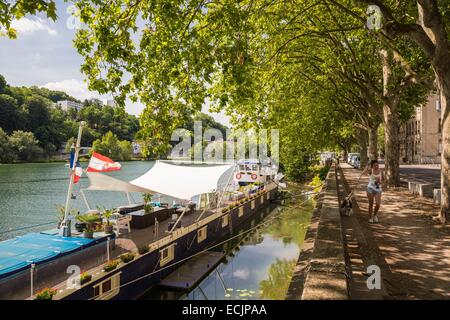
(373, 191)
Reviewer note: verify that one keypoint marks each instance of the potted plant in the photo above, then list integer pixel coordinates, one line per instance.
(85, 278)
(111, 265)
(127, 257)
(61, 213)
(89, 219)
(45, 294)
(108, 227)
(143, 249)
(148, 208)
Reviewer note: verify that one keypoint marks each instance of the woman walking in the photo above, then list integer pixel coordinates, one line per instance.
(374, 189)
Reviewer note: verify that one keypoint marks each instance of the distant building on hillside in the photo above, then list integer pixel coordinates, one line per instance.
(421, 136)
(111, 103)
(136, 148)
(68, 104)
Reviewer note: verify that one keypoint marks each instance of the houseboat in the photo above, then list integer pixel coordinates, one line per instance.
(147, 241)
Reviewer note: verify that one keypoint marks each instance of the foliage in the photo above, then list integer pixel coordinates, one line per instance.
(85, 278)
(90, 219)
(107, 213)
(111, 265)
(143, 249)
(25, 146)
(110, 146)
(33, 109)
(127, 257)
(45, 294)
(14, 10)
(6, 152)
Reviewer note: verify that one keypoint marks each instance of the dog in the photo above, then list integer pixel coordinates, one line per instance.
(347, 206)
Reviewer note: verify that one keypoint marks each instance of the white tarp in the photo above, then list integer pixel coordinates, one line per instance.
(182, 182)
(102, 182)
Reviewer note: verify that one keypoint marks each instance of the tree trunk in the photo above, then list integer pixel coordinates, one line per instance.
(373, 142)
(362, 141)
(392, 123)
(392, 146)
(444, 86)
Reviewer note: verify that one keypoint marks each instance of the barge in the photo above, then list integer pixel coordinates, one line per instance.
(149, 240)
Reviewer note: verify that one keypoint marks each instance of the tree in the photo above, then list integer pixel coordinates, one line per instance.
(6, 152)
(25, 145)
(9, 113)
(11, 10)
(110, 146)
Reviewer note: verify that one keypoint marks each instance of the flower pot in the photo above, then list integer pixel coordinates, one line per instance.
(88, 234)
(80, 226)
(108, 229)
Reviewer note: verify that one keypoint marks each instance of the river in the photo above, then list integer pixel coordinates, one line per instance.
(31, 192)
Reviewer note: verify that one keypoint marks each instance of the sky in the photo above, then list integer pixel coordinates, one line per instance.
(43, 55)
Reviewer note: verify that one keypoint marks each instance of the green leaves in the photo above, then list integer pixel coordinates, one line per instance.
(15, 10)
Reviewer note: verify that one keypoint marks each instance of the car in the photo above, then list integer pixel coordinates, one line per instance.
(350, 156)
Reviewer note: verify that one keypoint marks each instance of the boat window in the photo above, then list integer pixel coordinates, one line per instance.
(241, 167)
(241, 211)
(108, 288)
(254, 167)
(167, 254)
(202, 234)
(247, 167)
(225, 220)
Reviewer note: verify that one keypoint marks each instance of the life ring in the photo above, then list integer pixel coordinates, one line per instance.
(238, 176)
(254, 176)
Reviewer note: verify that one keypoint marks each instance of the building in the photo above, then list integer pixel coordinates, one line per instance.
(111, 103)
(68, 104)
(421, 137)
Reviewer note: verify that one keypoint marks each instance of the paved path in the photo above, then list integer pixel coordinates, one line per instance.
(412, 251)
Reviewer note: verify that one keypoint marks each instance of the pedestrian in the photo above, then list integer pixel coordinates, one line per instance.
(374, 188)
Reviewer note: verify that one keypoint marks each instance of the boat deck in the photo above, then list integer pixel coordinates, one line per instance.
(54, 274)
(45, 275)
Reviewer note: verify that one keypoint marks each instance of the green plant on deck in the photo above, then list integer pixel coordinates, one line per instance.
(148, 208)
(85, 278)
(89, 219)
(127, 257)
(107, 213)
(45, 294)
(143, 249)
(61, 213)
(111, 265)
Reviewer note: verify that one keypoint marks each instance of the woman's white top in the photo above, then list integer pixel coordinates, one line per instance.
(375, 182)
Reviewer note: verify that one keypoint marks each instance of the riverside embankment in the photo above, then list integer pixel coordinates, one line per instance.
(410, 249)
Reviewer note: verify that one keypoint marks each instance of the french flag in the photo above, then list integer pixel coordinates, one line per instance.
(100, 163)
(78, 172)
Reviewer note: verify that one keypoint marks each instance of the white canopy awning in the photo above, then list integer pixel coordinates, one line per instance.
(102, 182)
(178, 181)
(182, 182)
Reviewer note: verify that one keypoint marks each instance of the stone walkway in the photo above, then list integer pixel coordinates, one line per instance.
(412, 251)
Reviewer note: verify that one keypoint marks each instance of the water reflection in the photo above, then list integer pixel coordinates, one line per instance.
(260, 265)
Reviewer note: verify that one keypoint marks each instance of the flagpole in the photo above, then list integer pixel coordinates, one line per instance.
(65, 227)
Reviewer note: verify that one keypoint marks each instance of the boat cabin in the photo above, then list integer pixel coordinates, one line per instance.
(251, 171)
